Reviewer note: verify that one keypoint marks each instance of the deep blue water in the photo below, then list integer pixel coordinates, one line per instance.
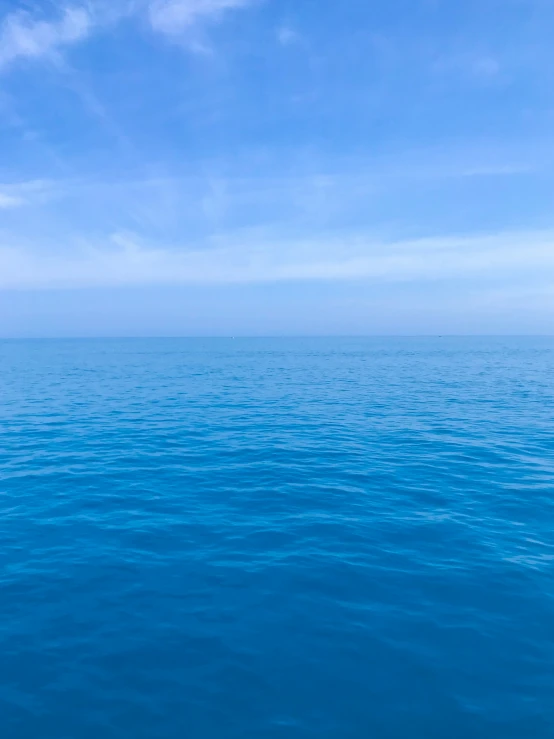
(217, 539)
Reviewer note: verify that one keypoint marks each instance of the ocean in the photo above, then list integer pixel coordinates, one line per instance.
(277, 538)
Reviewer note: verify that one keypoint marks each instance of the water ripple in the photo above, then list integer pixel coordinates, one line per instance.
(256, 539)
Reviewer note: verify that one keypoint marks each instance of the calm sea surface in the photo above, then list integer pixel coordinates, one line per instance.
(260, 539)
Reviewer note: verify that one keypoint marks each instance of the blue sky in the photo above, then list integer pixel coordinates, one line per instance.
(213, 167)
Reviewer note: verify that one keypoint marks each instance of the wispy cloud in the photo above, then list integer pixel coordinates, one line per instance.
(10, 201)
(481, 67)
(175, 16)
(23, 193)
(252, 258)
(485, 67)
(24, 37)
(287, 36)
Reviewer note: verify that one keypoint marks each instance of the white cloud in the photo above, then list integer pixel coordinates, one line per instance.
(23, 193)
(26, 36)
(486, 67)
(174, 16)
(23, 37)
(287, 36)
(10, 201)
(248, 258)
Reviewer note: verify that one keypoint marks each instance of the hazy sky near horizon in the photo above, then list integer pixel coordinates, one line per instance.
(276, 167)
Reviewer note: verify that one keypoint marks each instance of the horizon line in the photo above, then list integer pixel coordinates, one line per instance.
(236, 337)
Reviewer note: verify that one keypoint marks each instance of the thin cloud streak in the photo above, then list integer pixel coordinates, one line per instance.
(10, 201)
(174, 16)
(23, 37)
(124, 261)
(17, 195)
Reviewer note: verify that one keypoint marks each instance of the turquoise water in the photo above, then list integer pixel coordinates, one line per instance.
(344, 539)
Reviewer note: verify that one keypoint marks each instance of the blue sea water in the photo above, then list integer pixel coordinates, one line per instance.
(256, 539)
